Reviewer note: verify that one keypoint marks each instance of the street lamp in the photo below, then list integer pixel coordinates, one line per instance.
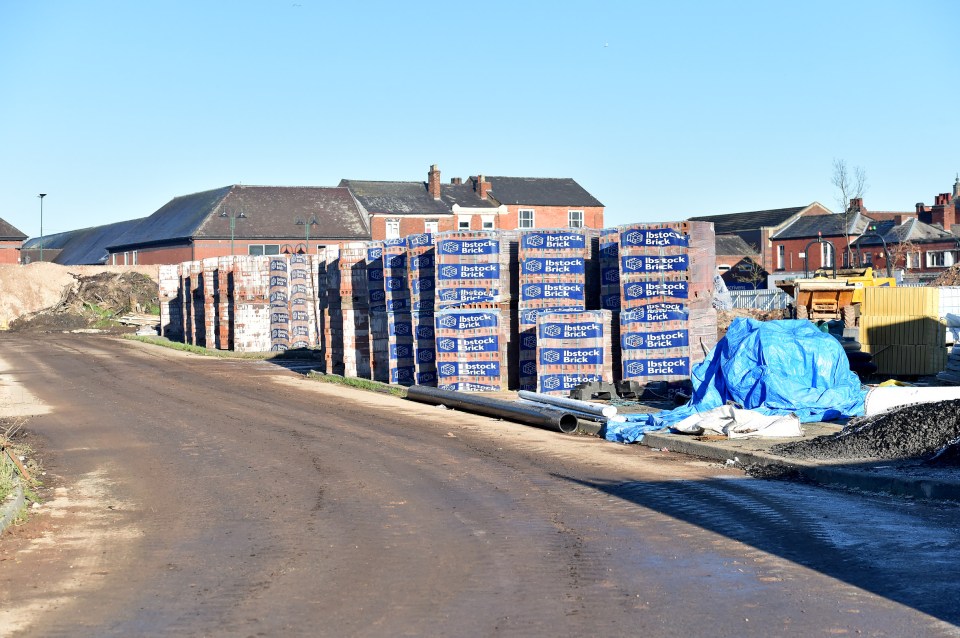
(233, 216)
(307, 224)
(41, 196)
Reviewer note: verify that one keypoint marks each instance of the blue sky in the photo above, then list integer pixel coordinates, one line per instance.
(660, 110)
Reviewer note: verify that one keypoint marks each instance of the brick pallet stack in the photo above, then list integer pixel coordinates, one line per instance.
(609, 259)
(223, 298)
(250, 319)
(171, 302)
(421, 282)
(392, 329)
(667, 320)
(902, 329)
(347, 323)
(189, 276)
(558, 270)
(573, 347)
(475, 316)
(302, 318)
(279, 303)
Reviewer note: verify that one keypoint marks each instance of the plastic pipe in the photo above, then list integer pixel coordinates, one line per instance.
(884, 399)
(571, 404)
(550, 418)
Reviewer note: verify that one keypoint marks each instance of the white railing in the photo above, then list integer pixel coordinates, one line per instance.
(760, 299)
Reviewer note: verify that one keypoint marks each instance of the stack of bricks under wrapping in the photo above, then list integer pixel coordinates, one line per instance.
(171, 302)
(667, 320)
(346, 321)
(558, 270)
(573, 347)
(223, 297)
(279, 303)
(609, 259)
(208, 285)
(476, 289)
(250, 316)
(190, 273)
(303, 322)
(392, 329)
(471, 349)
(421, 282)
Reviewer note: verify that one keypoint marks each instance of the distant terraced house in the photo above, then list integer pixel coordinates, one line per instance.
(11, 241)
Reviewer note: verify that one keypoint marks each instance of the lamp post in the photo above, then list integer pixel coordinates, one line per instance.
(307, 224)
(41, 196)
(233, 216)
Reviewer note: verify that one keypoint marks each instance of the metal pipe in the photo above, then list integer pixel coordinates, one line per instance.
(583, 416)
(544, 417)
(571, 404)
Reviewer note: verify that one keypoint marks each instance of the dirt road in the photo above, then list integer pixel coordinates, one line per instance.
(198, 496)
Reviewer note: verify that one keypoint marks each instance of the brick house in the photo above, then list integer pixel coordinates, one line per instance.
(923, 251)
(738, 263)
(243, 220)
(796, 247)
(11, 241)
(397, 209)
(756, 228)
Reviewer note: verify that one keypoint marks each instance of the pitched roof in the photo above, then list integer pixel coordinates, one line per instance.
(733, 245)
(827, 225)
(538, 191)
(270, 212)
(738, 222)
(9, 233)
(89, 245)
(413, 198)
(912, 230)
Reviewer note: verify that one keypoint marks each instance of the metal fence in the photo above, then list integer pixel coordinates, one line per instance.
(760, 299)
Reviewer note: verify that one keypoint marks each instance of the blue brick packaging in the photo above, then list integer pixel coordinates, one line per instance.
(421, 272)
(425, 348)
(573, 347)
(471, 350)
(609, 259)
(279, 303)
(302, 319)
(475, 267)
(655, 342)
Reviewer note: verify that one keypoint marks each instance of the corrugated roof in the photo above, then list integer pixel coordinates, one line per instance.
(826, 225)
(538, 191)
(55, 241)
(89, 246)
(9, 233)
(732, 223)
(270, 212)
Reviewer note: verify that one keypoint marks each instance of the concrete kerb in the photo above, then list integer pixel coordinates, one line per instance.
(10, 509)
(825, 474)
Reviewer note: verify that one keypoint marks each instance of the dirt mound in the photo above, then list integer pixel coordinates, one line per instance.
(726, 317)
(93, 301)
(949, 277)
(911, 432)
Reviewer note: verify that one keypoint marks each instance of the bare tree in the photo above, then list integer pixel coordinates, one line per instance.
(850, 184)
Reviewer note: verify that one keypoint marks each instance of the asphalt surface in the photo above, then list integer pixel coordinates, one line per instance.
(199, 496)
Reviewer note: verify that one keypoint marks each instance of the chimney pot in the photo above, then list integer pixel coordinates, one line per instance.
(433, 181)
(483, 186)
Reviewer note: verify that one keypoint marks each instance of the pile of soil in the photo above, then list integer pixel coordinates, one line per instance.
(911, 432)
(949, 277)
(92, 301)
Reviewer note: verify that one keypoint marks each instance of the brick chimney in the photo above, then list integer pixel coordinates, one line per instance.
(433, 181)
(456, 181)
(856, 204)
(483, 186)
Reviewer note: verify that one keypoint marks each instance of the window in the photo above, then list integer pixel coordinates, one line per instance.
(525, 218)
(134, 258)
(867, 259)
(722, 268)
(263, 249)
(393, 228)
(431, 226)
(940, 259)
(781, 254)
(126, 258)
(463, 223)
(913, 260)
(487, 222)
(826, 255)
(575, 218)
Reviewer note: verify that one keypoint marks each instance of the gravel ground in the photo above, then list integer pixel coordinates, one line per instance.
(915, 431)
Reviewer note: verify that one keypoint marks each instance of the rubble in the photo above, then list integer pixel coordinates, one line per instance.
(949, 277)
(911, 432)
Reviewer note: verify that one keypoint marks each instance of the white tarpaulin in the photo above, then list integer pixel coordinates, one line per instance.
(736, 423)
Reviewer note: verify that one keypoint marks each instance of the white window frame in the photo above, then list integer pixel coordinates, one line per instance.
(431, 226)
(135, 258)
(781, 256)
(827, 255)
(913, 260)
(940, 258)
(392, 229)
(722, 268)
(575, 218)
(526, 223)
(463, 222)
(487, 222)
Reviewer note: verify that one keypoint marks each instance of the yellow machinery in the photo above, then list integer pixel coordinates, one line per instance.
(833, 294)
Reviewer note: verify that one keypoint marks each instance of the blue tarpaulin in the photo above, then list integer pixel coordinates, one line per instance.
(773, 367)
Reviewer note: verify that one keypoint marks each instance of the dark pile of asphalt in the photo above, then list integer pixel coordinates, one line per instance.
(911, 432)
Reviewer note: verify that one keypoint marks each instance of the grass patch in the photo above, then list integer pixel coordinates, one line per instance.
(285, 355)
(362, 384)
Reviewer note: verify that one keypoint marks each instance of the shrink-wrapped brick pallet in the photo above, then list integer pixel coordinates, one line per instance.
(208, 284)
(302, 319)
(558, 269)
(251, 303)
(421, 282)
(573, 347)
(471, 349)
(223, 300)
(477, 266)
(609, 260)
(667, 321)
(279, 303)
(347, 321)
(171, 302)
